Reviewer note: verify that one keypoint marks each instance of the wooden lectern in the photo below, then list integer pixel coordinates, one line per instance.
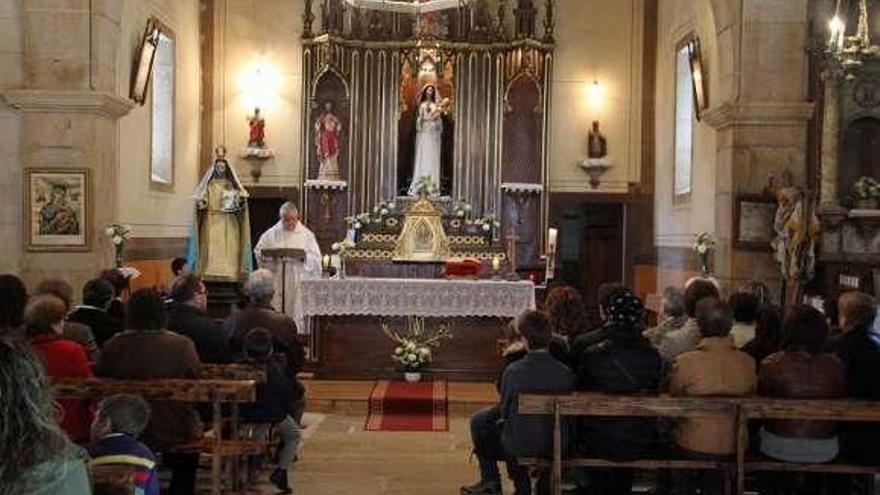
(284, 255)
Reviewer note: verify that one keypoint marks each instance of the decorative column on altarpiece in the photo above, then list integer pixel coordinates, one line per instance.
(830, 210)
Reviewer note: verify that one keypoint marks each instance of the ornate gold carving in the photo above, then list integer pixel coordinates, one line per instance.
(422, 238)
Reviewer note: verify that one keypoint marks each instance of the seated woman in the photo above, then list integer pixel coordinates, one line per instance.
(802, 370)
(44, 325)
(37, 458)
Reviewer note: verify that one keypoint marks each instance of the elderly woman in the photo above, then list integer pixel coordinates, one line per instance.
(37, 458)
(62, 358)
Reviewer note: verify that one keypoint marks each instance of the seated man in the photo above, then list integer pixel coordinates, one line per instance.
(485, 433)
(62, 358)
(148, 351)
(119, 421)
(260, 289)
(537, 372)
(97, 295)
(715, 368)
(280, 402)
(674, 316)
(688, 336)
(745, 313)
(188, 316)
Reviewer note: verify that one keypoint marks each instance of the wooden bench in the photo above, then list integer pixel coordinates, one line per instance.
(741, 410)
(595, 404)
(234, 371)
(215, 392)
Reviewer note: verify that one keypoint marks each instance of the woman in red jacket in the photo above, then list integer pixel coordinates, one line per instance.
(44, 324)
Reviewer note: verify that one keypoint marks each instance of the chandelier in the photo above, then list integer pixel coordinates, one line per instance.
(408, 6)
(851, 51)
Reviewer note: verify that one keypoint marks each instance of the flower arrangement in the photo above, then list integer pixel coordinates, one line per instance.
(417, 343)
(426, 186)
(866, 192)
(380, 214)
(704, 245)
(119, 235)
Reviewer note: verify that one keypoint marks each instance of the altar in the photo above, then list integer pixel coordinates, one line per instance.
(347, 342)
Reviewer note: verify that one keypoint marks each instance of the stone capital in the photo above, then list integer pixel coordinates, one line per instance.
(758, 114)
(99, 104)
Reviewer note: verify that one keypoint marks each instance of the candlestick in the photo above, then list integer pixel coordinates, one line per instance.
(552, 235)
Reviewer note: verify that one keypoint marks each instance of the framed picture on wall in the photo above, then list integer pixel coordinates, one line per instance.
(754, 216)
(143, 62)
(57, 209)
(698, 76)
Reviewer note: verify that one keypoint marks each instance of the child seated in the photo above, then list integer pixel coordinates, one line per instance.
(280, 401)
(118, 422)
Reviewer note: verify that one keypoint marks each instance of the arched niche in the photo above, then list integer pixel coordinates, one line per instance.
(860, 152)
(330, 93)
(522, 131)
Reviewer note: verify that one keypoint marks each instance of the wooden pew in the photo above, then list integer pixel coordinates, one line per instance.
(216, 392)
(742, 409)
(595, 404)
(113, 479)
(235, 371)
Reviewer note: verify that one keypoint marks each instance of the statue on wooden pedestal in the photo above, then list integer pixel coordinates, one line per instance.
(219, 248)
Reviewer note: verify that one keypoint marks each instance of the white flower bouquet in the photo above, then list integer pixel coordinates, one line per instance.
(119, 235)
(704, 245)
(865, 193)
(417, 343)
(426, 186)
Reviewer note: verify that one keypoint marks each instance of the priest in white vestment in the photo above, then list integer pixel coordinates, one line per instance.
(290, 233)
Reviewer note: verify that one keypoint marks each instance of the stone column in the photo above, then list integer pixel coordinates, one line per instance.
(830, 141)
(69, 117)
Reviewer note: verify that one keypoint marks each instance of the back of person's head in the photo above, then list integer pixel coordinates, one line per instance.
(257, 344)
(714, 317)
(626, 312)
(29, 432)
(695, 290)
(185, 289)
(744, 306)
(145, 311)
(13, 296)
(260, 286)
(98, 293)
(58, 288)
(44, 314)
(857, 310)
(673, 302)
(759, 290)
(768, 325)
(123, 413)
(535, 329)
(117, 279)
(805, 329)
(565, 310)
(177, 266)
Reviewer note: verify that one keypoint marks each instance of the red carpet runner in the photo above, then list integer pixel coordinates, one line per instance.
(402, 406)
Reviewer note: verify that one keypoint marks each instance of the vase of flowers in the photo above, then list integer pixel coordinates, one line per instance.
(415, 345)
(119, 235)
(341, 248)
(426, 186)
(704, 246)
(866, 193)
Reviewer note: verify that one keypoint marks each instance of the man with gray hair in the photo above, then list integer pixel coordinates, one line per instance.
(290, 233)
(260, 289)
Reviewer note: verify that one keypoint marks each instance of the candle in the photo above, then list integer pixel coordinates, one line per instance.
(325, 261)
(552, 235)
(496, 263)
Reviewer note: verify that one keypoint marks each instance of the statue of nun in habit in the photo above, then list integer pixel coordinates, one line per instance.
(429, 137)
(220, 247)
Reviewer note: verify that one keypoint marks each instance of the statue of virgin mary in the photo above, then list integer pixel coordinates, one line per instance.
(220, 247)
(429, 137)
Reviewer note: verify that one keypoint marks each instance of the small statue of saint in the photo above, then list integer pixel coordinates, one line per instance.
(257, 136)
(328, 137)
(596, 145)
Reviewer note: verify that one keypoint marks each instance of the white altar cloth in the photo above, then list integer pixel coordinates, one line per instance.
(416, 297)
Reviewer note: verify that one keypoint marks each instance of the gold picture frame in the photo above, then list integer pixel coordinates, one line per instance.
(58, 209)
(142, 70)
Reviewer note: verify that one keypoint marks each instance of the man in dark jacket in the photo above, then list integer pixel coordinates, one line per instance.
(537, 372)
(625, 362)
(148, 351)
(189, 318)
(97, 295)
(280, 402)
(259, 313)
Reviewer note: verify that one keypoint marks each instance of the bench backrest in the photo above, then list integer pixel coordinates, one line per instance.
(237, 371)
(183, 390)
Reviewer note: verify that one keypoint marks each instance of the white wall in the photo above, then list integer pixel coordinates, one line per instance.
(11, 55)
(676, 224)
(153, 212)
(597, 40)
